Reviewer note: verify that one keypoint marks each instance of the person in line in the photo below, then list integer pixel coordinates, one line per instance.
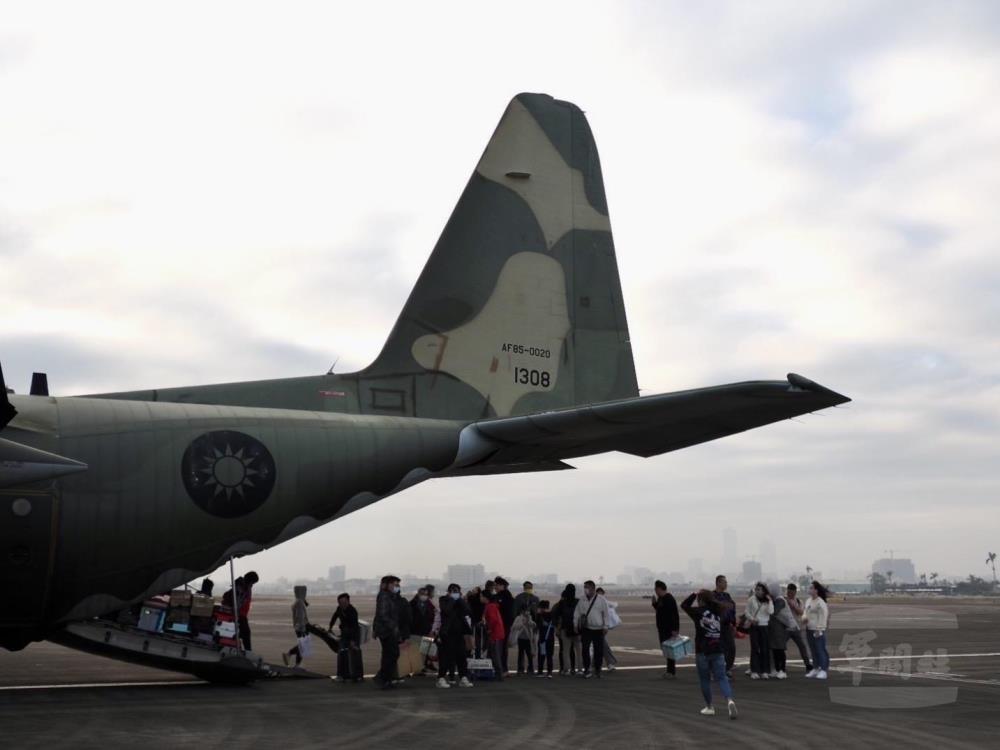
(479, 641)
(793, 631)
(758, 612)
(349, 665)
(495, 632)
(505, 601)
(546, 638)
(614, 620)
(244, 595)
(777, 629)
(708, 616)
(729, 622)
(300, 621)
(564, 616)
(385, 627)
(455, 617)
(526, 600)
(524, 633)
(422, 615)
(668, 622)
(592, 618)
(408, 661)
(816, 616)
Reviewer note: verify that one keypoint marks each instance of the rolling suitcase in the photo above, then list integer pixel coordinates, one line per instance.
(349, 664)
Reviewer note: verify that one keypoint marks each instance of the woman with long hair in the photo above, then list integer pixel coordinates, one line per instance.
(709, 649)
(816, 616)
(759, 609)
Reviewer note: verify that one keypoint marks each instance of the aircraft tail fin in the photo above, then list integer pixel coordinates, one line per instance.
(519, 308)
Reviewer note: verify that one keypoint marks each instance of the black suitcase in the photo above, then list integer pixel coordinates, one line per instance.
(349, 664)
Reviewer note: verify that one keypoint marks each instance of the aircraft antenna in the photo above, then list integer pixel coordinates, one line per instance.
(330, 371)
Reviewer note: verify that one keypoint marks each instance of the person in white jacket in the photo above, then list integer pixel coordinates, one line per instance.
(760, 607)
(816, 617)
(593, 618)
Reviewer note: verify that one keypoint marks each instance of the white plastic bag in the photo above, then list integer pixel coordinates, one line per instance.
(613, 619)
(305, 646)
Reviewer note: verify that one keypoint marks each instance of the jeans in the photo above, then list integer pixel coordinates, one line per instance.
(760, 650)
(524, 651)
(569, 652)
(390, 655)
(609, 657)
(709, 664)
(796, 635)
(593, 638)
(817, 644)
(496, 649)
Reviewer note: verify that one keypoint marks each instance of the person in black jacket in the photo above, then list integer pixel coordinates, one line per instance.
(385, 627)
(349, 664)
(505, 601)
(564, 616)
(708, 614)
(455, 617)
(668, 621)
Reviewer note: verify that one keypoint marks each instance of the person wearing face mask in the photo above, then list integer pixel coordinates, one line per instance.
(592, 617)
(422, 615)
(728, 622)
(385, 627)
(816, 616)
(349, 664)
(455, 618)
(759, 609)
(505, 601)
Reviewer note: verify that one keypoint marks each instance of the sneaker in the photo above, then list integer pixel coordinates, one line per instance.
(782, 675)
(812, 673)
(563, 672)
(587, 675)
(284, 658)
(708, 711)
(612, 668)
(669, 676)
(443, 683)
(765, 676)
(754, 676)
(464, 682)
(821, 674)
(549, 675)
(773, 674)
(748, 673)
(732, 708)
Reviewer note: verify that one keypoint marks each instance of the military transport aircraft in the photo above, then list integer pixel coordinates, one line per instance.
(512, 354)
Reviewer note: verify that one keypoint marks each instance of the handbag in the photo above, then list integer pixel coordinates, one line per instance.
(582, 624)
(305, 646)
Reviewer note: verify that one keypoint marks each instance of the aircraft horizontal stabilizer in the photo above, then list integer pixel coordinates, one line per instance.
(21, 464)
(646, 426)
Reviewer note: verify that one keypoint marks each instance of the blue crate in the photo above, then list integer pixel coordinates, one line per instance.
(677, 647)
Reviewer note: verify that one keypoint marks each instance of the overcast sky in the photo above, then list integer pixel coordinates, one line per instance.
(195, 193)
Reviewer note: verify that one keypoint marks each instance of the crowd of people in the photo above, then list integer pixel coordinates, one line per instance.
(488, 621)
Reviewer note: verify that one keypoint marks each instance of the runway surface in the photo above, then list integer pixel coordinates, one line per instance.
(54, 697)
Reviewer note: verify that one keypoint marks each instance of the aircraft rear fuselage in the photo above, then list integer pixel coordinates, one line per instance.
(172, 490)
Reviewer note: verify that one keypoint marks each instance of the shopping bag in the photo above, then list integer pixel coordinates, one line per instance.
(305, 646)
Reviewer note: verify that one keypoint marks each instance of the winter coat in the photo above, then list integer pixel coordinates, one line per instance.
(300, 618)
(668, 619)
(494, 623)
(505, 600)
(421, 617)
(454, 614)
(525, 601)
(386, 622)
(597, 619)
(564, 613)
(816, 614)
(758, 612)
(707, 627)
(776, 626)
(524, 629)
(350, 628)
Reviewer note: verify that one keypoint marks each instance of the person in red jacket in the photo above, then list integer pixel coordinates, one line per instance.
(496, 632)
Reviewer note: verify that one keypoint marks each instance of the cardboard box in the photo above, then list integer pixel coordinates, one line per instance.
(202, 606)
(180, 598)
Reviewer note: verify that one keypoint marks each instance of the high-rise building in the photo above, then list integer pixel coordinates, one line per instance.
(903, 570)
(466, 576)
(337, 574)
(768, 559)
(751, 572)
(730, 558)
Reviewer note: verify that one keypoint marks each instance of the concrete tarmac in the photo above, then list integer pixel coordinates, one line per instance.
(891, 694)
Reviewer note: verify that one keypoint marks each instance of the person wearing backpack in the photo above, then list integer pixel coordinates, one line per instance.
(546, 638)
(564, 616)
(592, 619)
